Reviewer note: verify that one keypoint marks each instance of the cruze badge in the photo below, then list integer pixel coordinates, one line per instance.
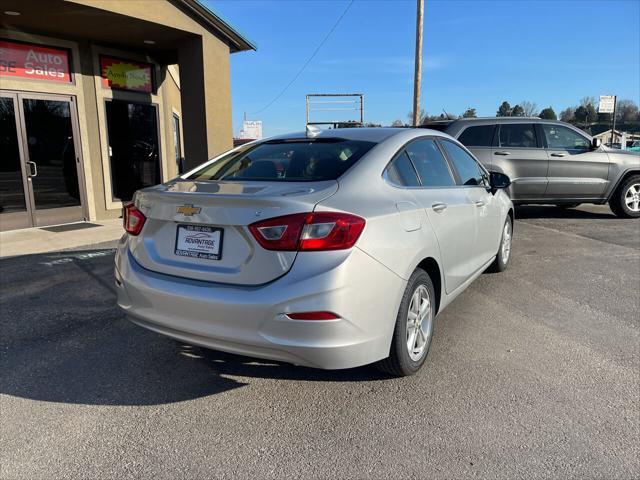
(188, 210)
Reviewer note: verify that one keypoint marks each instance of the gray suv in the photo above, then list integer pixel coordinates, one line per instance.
(551, 162)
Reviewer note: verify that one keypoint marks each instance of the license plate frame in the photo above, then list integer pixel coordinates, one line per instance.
(201, 249)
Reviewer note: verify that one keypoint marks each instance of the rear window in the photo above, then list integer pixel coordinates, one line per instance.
(401, 172)
(480, 136)
(296, 160)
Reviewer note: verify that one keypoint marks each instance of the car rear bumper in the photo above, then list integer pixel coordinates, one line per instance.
(252, 320)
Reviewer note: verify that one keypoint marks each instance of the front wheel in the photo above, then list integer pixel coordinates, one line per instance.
(414, 327)
(504, 252)
(625, 202)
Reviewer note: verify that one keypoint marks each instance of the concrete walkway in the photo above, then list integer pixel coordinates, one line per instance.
(36, 240)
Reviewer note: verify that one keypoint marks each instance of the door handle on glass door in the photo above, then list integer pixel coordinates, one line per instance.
(557, 154)
(34, 172)
(500, 152)
(439, 207)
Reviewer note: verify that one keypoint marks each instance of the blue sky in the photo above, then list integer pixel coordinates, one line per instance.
(476, 54)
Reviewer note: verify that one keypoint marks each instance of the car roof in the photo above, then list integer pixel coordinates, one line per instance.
(369, 134)
(485, 120)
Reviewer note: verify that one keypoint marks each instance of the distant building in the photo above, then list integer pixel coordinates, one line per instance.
(619, 138)
(251, 129)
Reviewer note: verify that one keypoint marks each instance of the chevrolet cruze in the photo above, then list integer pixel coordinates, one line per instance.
(330, 249)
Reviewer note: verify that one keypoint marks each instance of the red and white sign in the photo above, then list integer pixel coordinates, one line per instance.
(26, 60)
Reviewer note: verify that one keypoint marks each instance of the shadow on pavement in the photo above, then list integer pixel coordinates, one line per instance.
(551, 211)
(64, 340)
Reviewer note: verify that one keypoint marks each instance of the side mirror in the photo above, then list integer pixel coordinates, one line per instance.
(595, 143)
(498, 180)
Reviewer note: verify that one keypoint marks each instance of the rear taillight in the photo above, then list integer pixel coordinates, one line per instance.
(309, 231)
(132, 219)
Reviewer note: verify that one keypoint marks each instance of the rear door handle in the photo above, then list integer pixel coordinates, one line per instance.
(500, 152)
(34, 172)
(558, 154)
(439, 207)
(479, 203)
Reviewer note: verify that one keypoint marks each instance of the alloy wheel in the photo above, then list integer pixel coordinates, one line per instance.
(632, 197)
(506, 242)
(419, 323)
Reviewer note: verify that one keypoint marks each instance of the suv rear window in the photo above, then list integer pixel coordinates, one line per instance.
(295, 160)
(480, 136)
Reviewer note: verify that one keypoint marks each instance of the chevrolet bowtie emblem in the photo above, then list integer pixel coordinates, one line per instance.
(188, 210)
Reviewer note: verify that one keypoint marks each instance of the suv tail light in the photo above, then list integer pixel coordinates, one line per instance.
(132, 219)
(309, 231)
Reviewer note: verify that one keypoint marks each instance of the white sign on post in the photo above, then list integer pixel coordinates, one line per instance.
(607, 104)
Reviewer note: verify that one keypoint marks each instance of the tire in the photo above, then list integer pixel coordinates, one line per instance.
(625, 201)
(568, 205)
(400, 361)
(504, 250)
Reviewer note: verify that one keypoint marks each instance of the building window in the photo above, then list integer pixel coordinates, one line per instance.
(134, 153)
(177, 144)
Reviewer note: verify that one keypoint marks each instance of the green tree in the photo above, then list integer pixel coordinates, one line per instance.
(397, 123)
(517, 111)
(589, 113)
(585, 115)
(470, 113)
(548, 114)
(504, 110)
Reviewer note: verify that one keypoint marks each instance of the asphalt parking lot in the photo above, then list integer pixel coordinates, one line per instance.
(533, 373)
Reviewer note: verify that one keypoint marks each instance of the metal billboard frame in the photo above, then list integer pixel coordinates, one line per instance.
(357, 102)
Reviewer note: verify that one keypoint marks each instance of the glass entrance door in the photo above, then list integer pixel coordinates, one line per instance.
(134, 151)
(40, 175)
(14, 211)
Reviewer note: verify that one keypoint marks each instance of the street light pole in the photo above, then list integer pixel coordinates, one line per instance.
(417, 78)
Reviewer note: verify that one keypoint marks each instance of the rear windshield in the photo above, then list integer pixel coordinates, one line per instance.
(299, 160)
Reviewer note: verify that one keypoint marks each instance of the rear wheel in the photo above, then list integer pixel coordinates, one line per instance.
(414, 327)
(625, 202)
(504, 252)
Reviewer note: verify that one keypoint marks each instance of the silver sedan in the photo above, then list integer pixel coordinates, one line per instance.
(328, 249)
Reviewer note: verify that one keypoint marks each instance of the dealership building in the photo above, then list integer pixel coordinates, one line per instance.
(99, 98)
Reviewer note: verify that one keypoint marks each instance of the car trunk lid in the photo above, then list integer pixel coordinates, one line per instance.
(186, 217)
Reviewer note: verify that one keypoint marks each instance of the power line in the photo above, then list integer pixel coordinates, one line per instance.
(315, 52)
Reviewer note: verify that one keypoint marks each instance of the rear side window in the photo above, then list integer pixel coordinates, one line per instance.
(480, 136)
(470, 172)
(518, 135)
(296, 160)
(401, 172)
(563, 138)
(430, 164)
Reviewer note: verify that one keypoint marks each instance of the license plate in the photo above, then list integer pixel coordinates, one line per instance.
(198, 241)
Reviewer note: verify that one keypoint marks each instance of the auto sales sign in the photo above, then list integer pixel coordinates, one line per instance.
(27, 60)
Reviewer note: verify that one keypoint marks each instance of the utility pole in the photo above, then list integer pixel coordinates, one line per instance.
(417, 78)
